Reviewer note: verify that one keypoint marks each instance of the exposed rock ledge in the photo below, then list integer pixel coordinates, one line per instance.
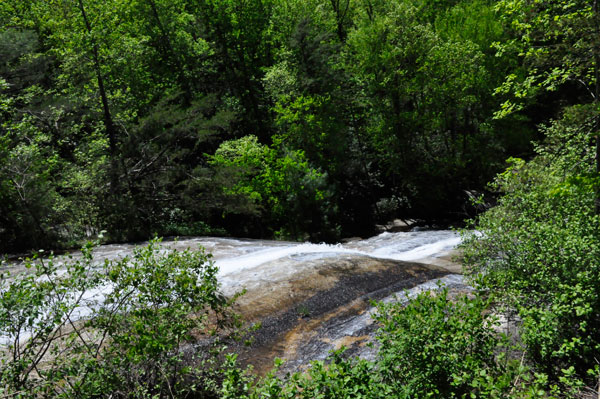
(326, 304)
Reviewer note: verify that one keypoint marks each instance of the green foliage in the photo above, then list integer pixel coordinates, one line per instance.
(426, 92)
(130, 97)
(338, 378)
(473, 21)
(443, 347)
(457, 342)
(301, 119)
(240, 36)
(538, 250)
(556, 43)
(29, 165)
(282, 189)
(114, 329)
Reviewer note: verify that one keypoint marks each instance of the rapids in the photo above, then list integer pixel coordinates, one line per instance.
(312, 298)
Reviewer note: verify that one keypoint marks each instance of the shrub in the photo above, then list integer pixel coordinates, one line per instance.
(538, 251)
(123, 328)
(442, 347)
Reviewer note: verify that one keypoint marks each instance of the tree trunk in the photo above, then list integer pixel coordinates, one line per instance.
(170, 53)
(596, 50)
(340, 16)
(108, 121)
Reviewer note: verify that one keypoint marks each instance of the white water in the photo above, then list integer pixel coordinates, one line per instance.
(406, 246)
(245, 263)
(233, 255)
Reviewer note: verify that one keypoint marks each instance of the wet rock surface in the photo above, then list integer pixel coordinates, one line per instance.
(325, 307)
(314, 298)
(312, 307)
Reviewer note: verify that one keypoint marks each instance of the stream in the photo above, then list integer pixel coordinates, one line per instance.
(314, 298)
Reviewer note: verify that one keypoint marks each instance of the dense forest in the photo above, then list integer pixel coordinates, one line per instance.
(301, 120)
(293, 119)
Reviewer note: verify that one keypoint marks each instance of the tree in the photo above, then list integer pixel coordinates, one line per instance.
(109, 124)
(559, 44)
(341, 8)
(29, 164)
(428, 115)
(318, 111)
(240, 36)
(278, 185)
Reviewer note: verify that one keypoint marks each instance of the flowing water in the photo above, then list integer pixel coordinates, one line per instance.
(312, 298)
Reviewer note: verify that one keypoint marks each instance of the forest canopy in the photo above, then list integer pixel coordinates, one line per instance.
(126, 116)
(273, 118)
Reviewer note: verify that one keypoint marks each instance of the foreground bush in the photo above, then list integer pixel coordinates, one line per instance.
(439, 346)
(539, 252)
(119, 329)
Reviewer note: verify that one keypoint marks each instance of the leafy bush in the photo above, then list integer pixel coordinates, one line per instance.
(538, 251)
(123, 328)
(443, 347)
(435, 345)
(277, 185)
(339, 378)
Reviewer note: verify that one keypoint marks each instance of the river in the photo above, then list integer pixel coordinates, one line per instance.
(312, 298)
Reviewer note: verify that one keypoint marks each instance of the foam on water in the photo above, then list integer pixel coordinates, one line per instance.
(268, 255)
(235, 256)
(232, 255)
(419, 252)
(411, 246)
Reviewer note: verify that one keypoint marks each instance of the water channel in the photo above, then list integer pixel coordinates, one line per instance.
(314, 298)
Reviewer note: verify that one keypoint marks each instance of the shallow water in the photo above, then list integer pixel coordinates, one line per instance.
(334, 282)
